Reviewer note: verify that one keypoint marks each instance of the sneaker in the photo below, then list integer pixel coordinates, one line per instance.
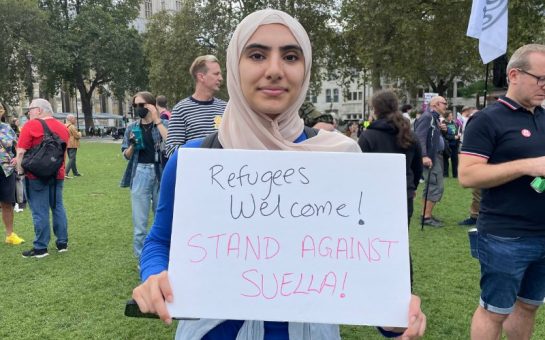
(433, 218)
(62, 247)
(436, 219)
(78, 175)
(16, 208)
(37, 253)
(468, 221)
(14, 239)
(68, 177)
(432, 223)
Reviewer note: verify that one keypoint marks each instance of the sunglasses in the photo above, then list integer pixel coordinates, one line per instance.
(139, 105)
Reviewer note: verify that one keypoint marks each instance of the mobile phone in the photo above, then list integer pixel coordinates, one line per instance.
(473, 234)
(132, 310)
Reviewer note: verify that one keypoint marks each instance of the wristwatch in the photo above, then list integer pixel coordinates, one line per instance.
(157, 124)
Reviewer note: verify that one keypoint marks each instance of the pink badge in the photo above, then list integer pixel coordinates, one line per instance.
(526, 133)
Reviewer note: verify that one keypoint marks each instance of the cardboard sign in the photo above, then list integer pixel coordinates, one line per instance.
(290, 236)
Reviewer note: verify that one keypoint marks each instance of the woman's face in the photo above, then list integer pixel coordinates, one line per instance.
(272, 70)
(141, 108)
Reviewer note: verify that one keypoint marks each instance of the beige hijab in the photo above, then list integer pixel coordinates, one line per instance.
(242, 128)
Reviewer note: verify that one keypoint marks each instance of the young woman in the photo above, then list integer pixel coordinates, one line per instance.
(143, 173)
(390, 132)
(274, 51)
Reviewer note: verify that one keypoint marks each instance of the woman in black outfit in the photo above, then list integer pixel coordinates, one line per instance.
(390, 132)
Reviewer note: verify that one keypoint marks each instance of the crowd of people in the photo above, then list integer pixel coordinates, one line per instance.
(496, 151)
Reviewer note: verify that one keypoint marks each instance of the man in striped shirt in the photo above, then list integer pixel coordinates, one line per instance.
(200, 114)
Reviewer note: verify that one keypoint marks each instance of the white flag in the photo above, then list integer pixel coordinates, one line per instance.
(488, 23)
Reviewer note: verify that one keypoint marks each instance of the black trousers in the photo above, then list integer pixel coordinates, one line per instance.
(453, 160)
(71, 165)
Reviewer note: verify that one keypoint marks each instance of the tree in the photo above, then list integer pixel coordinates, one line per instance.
(95, 46)
(424, 42)
(205, 27)
(419, 41)
(170, 45)
(22, 30)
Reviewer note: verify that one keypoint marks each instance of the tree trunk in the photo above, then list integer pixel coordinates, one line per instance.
(442, 87)
(86, 105)
(375, 78)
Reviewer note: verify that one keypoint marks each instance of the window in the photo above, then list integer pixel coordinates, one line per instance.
(147, 9)
(328, 96)
(360, 95)
(314, 99)
(163, 7)
(335, 95)
(178, 5)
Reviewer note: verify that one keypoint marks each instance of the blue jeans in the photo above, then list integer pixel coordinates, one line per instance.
(511, 268)
(144, 194)
(41, 197)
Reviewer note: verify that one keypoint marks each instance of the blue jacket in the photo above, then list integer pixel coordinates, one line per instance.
(130, 171)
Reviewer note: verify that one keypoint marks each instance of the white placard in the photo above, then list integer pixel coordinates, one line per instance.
(290, 236)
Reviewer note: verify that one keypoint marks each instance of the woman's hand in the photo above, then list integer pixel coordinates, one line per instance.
(152, 294)
(417, 322)
(154, 113)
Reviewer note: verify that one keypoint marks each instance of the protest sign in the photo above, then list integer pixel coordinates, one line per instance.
(290, 236)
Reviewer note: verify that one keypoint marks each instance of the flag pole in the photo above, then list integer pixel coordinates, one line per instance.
(486, 85)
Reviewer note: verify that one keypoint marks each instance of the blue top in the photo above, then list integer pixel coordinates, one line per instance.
(155, 255)
(503, 132)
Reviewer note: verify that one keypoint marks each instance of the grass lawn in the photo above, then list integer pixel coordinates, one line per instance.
(81, 294)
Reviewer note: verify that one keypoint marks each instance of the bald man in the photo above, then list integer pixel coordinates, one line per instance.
(428, 129)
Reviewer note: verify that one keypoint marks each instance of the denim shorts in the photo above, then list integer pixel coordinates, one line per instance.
(511, 268)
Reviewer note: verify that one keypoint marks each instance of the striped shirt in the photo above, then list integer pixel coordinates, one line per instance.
(192, 119)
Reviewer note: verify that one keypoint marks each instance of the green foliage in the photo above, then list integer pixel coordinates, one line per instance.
(22, 30)
(81, 294)
(472, 89)
(421, 42)
(93, 45)
(170, 45)
(526, 22)
(205, 27)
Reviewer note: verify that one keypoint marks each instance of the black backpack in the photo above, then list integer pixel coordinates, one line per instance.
(45, 159)
(212, 141)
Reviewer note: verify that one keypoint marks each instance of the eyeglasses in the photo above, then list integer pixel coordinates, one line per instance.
(135, 105)
(540, 80)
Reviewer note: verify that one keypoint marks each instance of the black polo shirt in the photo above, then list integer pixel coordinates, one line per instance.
(503, 132)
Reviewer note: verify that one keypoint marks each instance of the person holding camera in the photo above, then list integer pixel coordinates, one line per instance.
(142, 148)
(8, 139)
